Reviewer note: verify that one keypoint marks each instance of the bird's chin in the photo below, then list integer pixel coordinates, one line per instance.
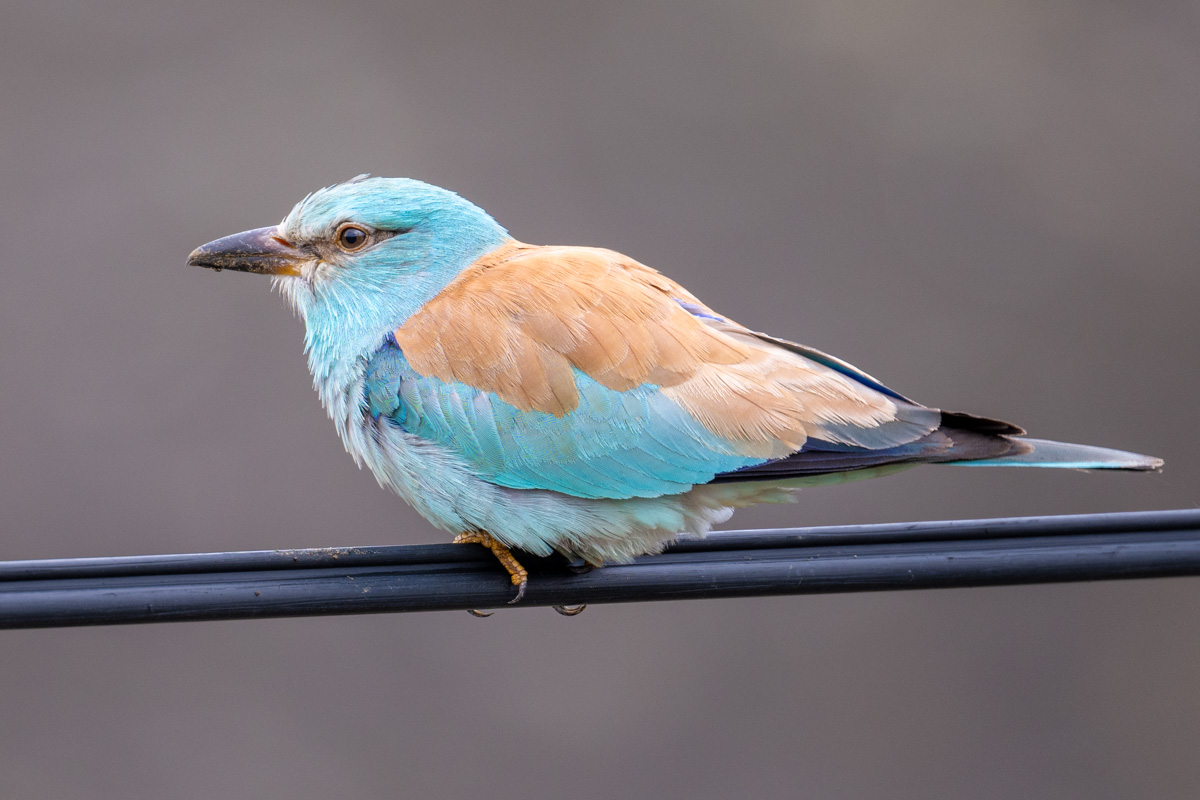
(296, 289)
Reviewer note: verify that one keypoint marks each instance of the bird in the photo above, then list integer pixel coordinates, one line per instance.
(570, 399)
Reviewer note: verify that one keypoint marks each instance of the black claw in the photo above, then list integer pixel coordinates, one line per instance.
(520, 592)
(580, 567)
(571, 611)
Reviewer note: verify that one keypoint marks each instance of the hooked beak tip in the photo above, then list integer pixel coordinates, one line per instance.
(196, 258)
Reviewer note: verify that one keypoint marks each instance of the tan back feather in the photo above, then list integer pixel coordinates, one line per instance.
(517, 321)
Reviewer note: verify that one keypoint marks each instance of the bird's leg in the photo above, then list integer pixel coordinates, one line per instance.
(520, 577)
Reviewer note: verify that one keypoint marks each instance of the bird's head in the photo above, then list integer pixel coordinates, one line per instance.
(357, 259)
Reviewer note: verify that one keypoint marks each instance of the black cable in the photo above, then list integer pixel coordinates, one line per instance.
(360, 580)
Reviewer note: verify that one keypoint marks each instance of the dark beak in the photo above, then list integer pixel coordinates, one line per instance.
(261, 250)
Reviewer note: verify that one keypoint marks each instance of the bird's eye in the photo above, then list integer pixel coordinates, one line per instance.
(351, 238)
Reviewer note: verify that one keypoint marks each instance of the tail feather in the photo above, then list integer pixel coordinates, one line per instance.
(1063, 455)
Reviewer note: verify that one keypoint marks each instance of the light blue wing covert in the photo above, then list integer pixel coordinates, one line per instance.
(635, 443)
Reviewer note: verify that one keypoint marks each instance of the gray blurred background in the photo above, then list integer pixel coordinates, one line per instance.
(991, 206)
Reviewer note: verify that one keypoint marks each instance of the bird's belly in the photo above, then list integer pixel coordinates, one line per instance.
(444, 489)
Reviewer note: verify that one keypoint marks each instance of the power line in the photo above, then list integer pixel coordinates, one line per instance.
(364, 580)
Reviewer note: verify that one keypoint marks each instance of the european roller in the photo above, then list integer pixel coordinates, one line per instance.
(570, 399)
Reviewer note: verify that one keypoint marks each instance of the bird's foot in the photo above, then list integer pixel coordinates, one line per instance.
(571, 611)
(520, 578)
(579, 566)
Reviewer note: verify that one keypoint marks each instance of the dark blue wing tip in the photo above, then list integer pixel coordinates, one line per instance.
(697, 311)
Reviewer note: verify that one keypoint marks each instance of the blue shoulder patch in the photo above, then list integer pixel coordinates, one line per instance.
(384, 376)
